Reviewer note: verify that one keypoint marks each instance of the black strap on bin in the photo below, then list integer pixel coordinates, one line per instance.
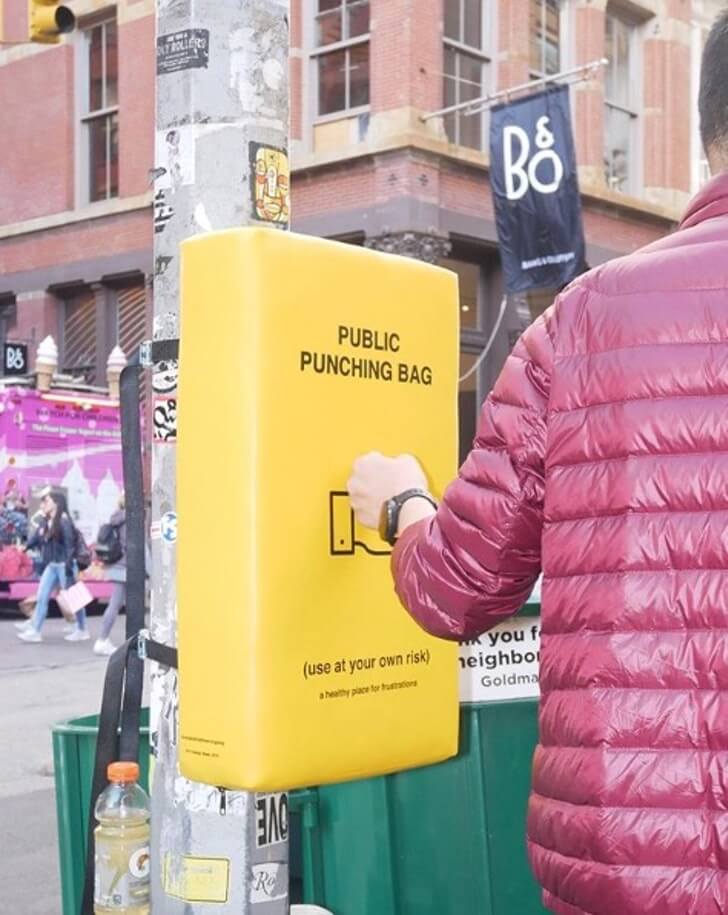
(118, 737)
(116, 712)
(131, 440)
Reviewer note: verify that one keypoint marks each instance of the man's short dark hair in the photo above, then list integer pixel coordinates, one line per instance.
(713, 102)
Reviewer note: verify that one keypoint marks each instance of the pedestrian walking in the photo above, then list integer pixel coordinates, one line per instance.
(56, 539)
(111, 550)
(601, 458)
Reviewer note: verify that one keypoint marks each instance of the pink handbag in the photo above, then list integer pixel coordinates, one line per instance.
(73, 599)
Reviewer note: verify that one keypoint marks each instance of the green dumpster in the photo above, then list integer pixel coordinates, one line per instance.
(440, 840)
(74, 749)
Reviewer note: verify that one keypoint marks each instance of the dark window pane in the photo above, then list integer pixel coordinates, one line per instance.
(112, 65)
(358, 14)
(332, 82)
(545, 36)
(97, 158)
(618, 53)
(467, 404)
(79, 336)
(471, 75)
(468, 278)
(326, 5)
(450, 125)
(450, 88)
(617, 135)
(329, 28)
(552, 37)
(609, 54)
(96, 68)
(451, 56)
(113, 156)
(452, 19)
(535, 31)
(471, 130)
(471, 87)
(473, 32)
(359, 75)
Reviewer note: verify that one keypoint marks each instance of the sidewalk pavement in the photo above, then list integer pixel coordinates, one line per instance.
(40, 685)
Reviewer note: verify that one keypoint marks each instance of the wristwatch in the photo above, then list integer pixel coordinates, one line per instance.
(389, 517)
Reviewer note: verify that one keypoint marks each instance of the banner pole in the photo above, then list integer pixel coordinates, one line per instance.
(475, 106)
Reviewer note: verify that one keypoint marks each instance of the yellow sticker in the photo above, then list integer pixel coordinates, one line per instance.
(197, 879)
(271, 177)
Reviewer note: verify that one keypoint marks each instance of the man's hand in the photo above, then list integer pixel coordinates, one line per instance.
(377, 478)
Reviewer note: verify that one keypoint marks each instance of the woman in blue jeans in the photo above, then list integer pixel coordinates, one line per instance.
(55, 539)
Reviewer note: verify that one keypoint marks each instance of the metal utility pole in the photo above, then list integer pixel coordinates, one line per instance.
(221, 141)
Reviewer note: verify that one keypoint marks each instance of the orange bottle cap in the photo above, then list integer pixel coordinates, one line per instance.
(120, 772)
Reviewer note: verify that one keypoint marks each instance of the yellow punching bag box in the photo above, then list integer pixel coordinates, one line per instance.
(298, 666)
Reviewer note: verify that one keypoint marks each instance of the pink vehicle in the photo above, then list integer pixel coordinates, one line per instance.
(69, 438)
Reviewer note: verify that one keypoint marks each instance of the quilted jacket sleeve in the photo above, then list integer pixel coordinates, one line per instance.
(477, 560)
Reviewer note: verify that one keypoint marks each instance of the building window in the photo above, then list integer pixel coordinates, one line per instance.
(342, 55)
(466, 68)
(545, 37)
(8, 317)
(620, 115)
(100, 119)
(79, 336)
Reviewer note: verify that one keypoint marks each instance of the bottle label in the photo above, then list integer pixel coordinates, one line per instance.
(121, 879)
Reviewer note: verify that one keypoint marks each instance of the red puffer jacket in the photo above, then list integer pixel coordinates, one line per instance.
(602, 456)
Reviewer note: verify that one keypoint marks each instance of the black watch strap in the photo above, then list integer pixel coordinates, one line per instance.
(389, 520)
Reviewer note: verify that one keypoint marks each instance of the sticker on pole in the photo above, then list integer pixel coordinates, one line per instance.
(194, 879)
(168, 527)
(502, 663)
(271, 819)
(269, 883)
(184, 50)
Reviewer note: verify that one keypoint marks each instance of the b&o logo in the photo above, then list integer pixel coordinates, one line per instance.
(15, 359)
(543, 171)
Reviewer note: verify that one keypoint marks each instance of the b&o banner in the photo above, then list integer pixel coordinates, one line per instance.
(536, 191)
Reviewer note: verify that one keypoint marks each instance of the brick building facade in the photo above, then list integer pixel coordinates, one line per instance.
(368, 164)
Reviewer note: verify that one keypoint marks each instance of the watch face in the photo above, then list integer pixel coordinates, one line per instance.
(390, 512)
(384, 517)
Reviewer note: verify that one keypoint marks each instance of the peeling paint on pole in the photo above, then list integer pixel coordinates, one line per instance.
(222, 90)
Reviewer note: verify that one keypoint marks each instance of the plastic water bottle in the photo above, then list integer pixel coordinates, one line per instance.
(121, 876)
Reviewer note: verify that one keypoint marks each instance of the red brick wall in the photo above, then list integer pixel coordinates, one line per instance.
(77, 242)
(666, 128)
(587, 98)
(343, 188)
(613, 231)
(136, 106)
(37, 316)
(513, 42)
(36, 97)
(406, 54)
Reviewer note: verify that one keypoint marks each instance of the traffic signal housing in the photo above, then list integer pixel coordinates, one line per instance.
(48, 20)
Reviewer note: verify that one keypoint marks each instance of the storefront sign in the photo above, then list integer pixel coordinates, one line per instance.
(502, 663)
(15, 359)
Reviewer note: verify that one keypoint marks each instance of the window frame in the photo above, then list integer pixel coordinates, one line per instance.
(633, 108)
(87, 117)
(317, 51)
(485, 54)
